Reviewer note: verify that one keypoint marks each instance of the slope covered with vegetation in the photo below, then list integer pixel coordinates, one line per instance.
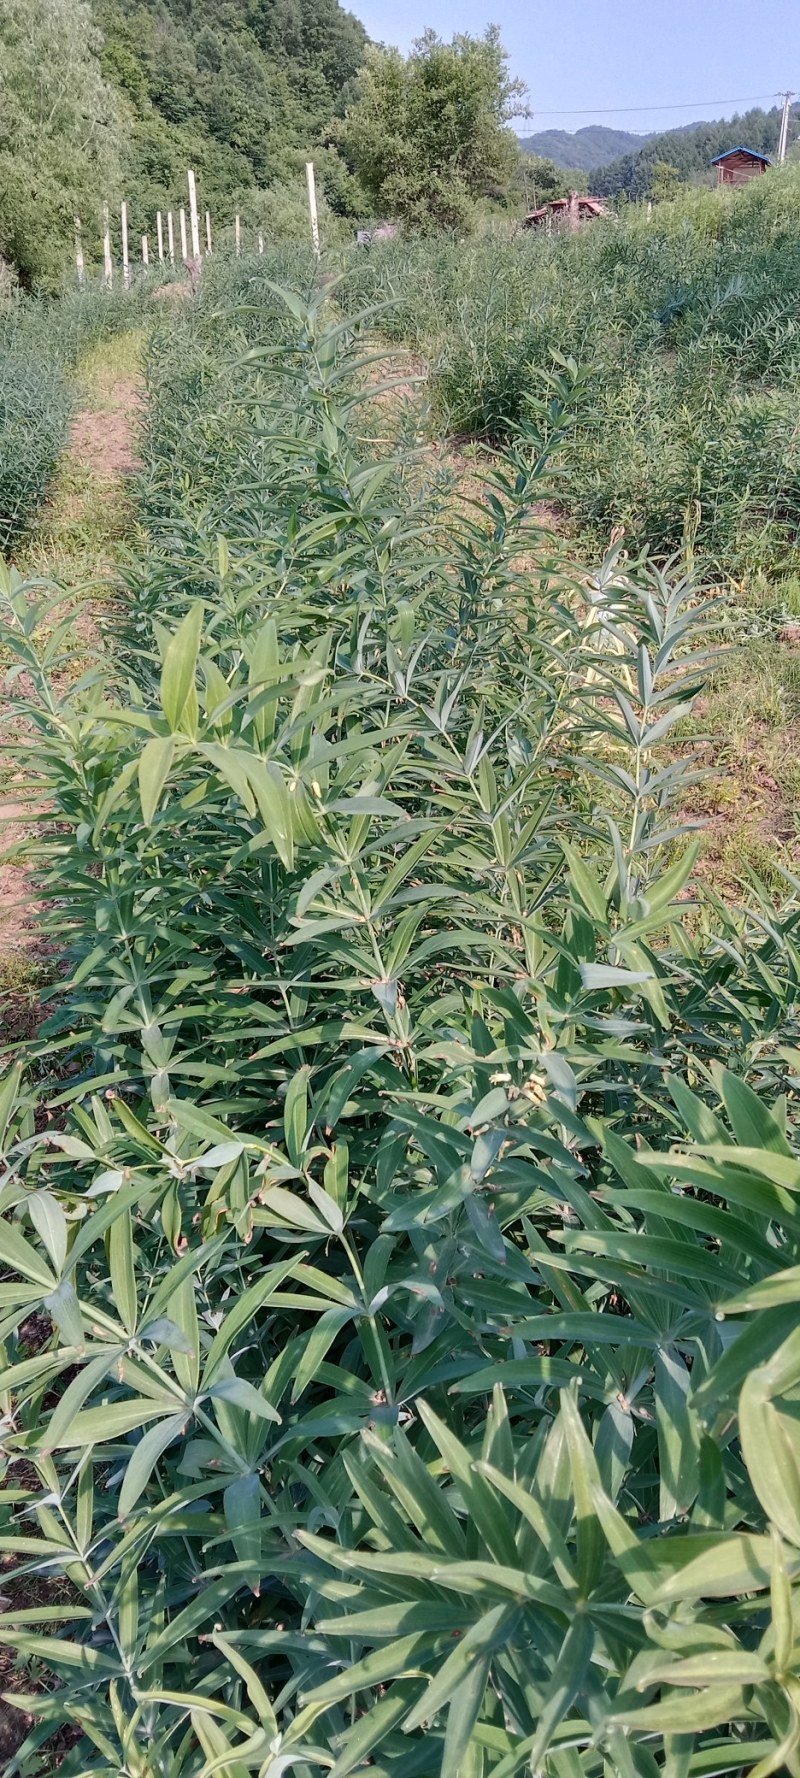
(398, 1321)
(592, 146)
(689, 151)
(244, 96)
(117, 99)
(241, 93)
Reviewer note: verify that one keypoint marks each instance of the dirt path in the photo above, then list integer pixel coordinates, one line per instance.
(102, 438)
(74, 543)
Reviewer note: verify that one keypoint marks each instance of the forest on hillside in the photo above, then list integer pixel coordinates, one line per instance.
(688, 151)
(237, 89)
(593, 146)
(116, 100)
(105, 100)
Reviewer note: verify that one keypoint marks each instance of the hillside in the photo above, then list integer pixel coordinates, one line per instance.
(689, 149)
(593, 146)
(241, 91)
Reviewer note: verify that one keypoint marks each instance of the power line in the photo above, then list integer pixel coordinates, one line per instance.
(618, 110)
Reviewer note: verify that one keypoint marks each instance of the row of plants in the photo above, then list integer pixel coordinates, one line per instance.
(41, 345)
(687, 321)
(401, 1249)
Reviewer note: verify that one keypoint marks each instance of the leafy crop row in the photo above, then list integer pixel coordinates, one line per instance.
(399, 1313)
(687, 323)
(41, 343)
(35, 410)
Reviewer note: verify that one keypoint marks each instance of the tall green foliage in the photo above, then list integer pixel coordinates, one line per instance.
(687, 323)
(59, 132)
(241, 96)
(35, 409)
(428, 133)
(398, 1322)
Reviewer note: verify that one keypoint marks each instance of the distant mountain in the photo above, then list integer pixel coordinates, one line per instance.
(593, 146)
(690, 149)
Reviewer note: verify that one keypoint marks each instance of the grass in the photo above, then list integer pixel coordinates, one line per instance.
(106, 363)
(23, 976)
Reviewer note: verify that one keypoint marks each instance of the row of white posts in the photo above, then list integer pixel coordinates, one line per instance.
(194, 228)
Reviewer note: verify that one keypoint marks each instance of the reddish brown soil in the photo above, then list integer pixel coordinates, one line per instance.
(103, 439)
(17, 906)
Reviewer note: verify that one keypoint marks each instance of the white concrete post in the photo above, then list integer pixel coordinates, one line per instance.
(160, 236)
(108, 270)
(79, 253)
(170, 238)
(184, 247)
(193, 218)
(208, 230)
(312, 205)
(145, 252)
(126, 270)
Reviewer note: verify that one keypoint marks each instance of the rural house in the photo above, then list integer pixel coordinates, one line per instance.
(567, 213)
(737, 166)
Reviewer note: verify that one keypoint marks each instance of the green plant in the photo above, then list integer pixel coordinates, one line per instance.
(41, 343)
(399, 1347)
(35, 409)
(428, 133)
(687, 323)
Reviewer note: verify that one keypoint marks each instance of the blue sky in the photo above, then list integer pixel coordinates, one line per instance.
(602, 57)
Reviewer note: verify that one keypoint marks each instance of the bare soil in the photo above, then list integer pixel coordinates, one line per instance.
(17, 905)
(103, 439)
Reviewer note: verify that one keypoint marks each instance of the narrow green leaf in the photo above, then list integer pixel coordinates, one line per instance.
(155, 764)
(122, 1268)
(178, 694)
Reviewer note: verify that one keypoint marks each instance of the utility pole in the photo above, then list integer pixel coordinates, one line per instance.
(784, 133)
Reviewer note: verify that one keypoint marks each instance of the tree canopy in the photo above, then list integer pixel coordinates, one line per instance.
(428, 134)
(241, 90)
(118, 98)
(104, 99)
(60, 131)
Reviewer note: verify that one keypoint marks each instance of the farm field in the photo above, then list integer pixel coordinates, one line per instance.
(399, 1246)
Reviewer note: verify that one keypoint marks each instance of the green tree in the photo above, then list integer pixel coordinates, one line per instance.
(691, 151)
(429, 133)
(665, 181)
(536, 181)
(59, 132)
